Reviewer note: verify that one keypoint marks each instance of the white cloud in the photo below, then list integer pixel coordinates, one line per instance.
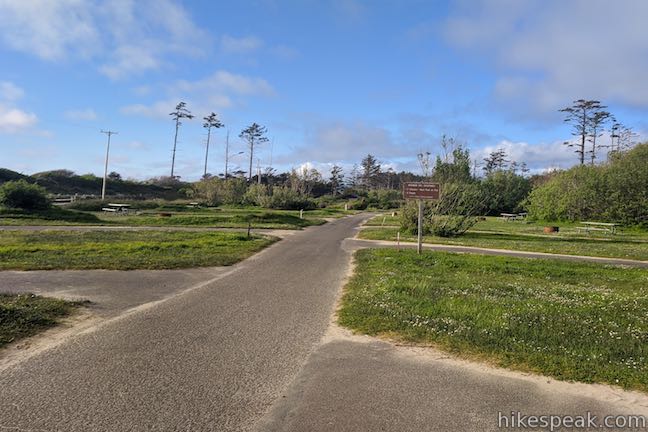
(48, 29)
(242, 45)
(129, 59)
(126, 37)
(549, 53)
(142, 90)
(87, 114)
(159, 109)
(284, 52)
(337, 142)
(538, 157)
(218, 91)
(224, 81)
(10, 92)
(14, 120)
(137, 145)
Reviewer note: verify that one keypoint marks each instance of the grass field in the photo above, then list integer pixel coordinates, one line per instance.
(497, 234)
(23, 315)
(572, 321)
(46, 250)
(174, 216)
(222, 220)
(52, 216)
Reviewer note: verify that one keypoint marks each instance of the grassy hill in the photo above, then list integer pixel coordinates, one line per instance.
(65, 182)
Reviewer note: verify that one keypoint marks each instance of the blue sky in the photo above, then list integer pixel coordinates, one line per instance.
(331, 80)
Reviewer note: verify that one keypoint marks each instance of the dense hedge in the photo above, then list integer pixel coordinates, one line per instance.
(615, 192)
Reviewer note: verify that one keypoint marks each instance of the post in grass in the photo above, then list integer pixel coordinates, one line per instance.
(421, 191)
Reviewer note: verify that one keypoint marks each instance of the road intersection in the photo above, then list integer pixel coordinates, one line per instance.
(254, 347)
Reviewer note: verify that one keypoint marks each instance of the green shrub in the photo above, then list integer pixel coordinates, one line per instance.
(384, 199)
(504, 192)
(215, 192)
(627, 187)
(287, 199)
(23, 195)
(358, 204)
(452, 215)
(256, 194)
(616, 192)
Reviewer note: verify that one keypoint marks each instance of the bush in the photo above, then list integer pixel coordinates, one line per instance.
(574, 194)
(257, 194)
(627, 187)
(384, 199)
(615, 192)
(452, 215)
(358, 204)
(22, 195)
(287, 199)
(504, 192)
(215, 192)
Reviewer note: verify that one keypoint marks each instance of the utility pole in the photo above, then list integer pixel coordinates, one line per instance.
(226, 152)
(103, 187)
(258, 171)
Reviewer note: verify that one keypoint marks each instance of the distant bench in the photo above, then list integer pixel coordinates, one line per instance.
(116, 208)
(508, 217)
(604, 227)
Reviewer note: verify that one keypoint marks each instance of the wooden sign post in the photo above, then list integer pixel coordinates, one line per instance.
(421, 191)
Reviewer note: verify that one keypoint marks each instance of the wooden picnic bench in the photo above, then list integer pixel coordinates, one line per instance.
(116, 208)
(604, 227)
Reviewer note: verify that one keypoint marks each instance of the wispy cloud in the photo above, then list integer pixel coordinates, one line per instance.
(220, 90)
(12, 118)
(125, 37)
(561, 53)
(10, 91)
(87, 114)
(240, 45)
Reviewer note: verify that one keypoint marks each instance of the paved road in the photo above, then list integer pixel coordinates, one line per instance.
(211, 358)
(353, 384)
(244, 350)
(111, 292)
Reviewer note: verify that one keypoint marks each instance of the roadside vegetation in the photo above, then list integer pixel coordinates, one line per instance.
(23, 315)
(495, 233)
(124, 250)
(571, 321)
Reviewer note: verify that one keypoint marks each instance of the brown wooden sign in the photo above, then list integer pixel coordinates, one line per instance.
(421, 190)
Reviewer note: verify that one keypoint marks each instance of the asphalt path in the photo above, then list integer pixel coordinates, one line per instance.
(211, 358)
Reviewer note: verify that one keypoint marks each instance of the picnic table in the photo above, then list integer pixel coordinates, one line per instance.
(509, 216)
(598, 226)
(116, 208)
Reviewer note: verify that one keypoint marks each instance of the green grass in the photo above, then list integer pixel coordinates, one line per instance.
(274, 220)
(572, 321)
(611, 246)
(180, 215)
(46, 250)
(23, 315)
(51, 216)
